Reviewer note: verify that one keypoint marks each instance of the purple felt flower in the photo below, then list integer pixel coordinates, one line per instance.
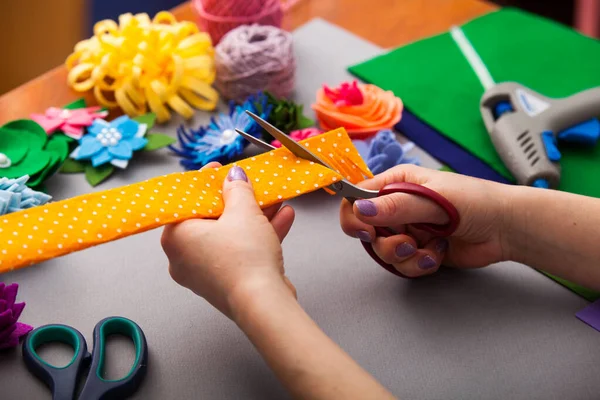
(11, 330)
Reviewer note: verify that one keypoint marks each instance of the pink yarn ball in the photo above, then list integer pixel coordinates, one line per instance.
(217, 17)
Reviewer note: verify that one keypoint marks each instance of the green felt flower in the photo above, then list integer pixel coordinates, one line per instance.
(25, 149)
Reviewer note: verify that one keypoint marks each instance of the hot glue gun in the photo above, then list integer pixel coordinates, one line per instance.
(525, 127)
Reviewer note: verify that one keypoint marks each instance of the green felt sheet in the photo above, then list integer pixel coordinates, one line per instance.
(436, 83)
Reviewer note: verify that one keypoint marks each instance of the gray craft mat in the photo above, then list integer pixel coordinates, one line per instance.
(504, 332)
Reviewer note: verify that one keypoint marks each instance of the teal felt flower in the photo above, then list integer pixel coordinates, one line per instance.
(112, 144)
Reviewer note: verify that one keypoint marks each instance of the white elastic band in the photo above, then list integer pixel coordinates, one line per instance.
(472, 57)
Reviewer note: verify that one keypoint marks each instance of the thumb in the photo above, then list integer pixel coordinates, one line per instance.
(399, 209)
(238, 194)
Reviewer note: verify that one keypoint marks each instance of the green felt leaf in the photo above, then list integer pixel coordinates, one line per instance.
(12, 146)
(26, 125)
(97, 175)
(70, 142)
(58, 146)
(34, 162)
(58, 150)
(76, 104)
(45, 173)
(148, 119)
(71, 166)
(158, 141)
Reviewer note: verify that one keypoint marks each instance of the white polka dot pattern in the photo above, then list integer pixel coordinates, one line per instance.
(59, 228)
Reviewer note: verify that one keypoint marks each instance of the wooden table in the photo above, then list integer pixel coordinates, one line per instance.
(387, 23)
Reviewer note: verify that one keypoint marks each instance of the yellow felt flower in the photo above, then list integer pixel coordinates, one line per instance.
(141, 63)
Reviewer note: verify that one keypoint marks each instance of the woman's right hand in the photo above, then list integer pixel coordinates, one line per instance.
(479, 240)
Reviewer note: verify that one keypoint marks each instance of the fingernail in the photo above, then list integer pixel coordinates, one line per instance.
(441, 246)
(366, 208)
(236, 174)
(364, 236)
(405, 250)
(426, 262)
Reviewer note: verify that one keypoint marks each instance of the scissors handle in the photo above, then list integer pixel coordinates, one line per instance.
(435, 229)
(96, 387)
(61, 380)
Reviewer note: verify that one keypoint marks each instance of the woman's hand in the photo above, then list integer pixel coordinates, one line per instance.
(230, 258)
(236, 264)
(478, 241)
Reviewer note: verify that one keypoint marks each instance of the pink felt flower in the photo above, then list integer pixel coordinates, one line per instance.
(11, 330)
(347, 94)
(71, 122)
(299, 135)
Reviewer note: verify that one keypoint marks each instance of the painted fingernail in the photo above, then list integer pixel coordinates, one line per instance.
(366, 208)
(441, 246)
(426, 262)
(364, 236)
(405, 250)
(237, 174)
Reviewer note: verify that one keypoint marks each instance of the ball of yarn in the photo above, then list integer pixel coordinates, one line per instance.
(254, 58)
(217, 17)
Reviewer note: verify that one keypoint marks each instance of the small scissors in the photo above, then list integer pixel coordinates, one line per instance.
(63, 380)
(352, 192)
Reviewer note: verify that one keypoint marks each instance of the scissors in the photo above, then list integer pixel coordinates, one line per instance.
(352, 192)
(63, 380)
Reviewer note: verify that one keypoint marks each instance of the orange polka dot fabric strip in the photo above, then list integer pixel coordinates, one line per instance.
(41, 233)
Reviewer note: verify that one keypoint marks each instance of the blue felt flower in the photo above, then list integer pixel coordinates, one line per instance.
(385, 152)
(16, 196)
(111, 142)
(219, 141)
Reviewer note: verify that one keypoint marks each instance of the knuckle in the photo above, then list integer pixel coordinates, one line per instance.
(389, 205)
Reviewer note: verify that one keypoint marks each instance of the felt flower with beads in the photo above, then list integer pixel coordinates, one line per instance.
(26, 149)
(112, 144)
(218, 141)
(299, 134)
(384, 152)
(16, 196)
(71, 122)
(10, 329)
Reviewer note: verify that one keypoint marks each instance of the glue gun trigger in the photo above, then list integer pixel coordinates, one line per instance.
(585, 133)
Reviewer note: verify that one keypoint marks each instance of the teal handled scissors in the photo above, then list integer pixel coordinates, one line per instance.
(352, 192)
(63, 380)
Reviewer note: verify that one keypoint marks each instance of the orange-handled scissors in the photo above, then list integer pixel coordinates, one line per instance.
(352, 192)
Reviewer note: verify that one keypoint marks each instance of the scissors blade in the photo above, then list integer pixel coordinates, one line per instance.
(297, 149)
(343, 187)
(256, 141)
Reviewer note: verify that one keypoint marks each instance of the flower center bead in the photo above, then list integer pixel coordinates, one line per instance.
(4, 161)
(109, 137)
(228, 136)
(65, 114)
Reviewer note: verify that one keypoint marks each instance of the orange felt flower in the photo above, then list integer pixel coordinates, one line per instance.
(55, 229)
(379, 109)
